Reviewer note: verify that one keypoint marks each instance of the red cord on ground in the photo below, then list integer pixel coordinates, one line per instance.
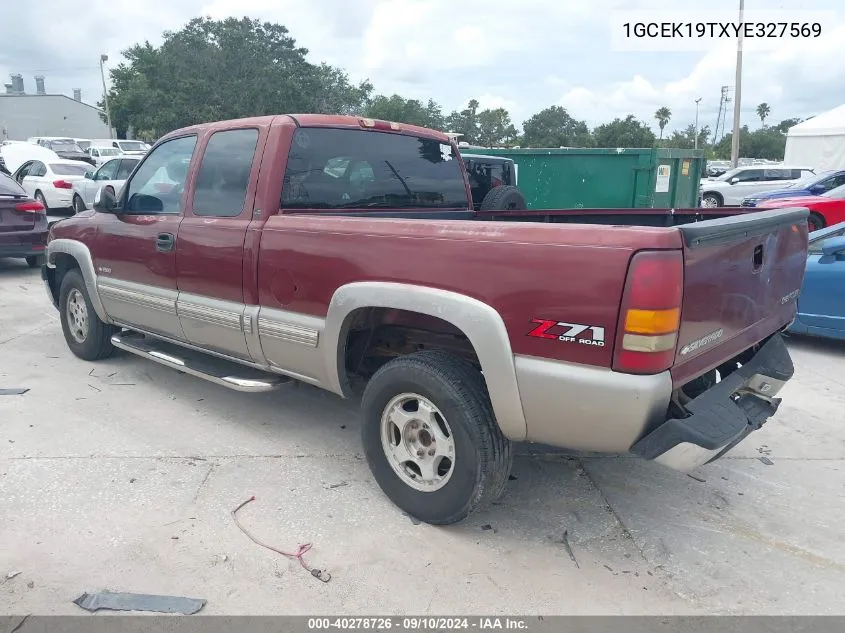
(319, 574)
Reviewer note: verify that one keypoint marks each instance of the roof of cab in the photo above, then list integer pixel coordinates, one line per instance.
(307, 120)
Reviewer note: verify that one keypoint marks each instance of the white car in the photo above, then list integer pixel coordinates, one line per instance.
(729, 189)
(101, 154)
(51, 181)
(112, 174)
(13, 154)
(131, 148)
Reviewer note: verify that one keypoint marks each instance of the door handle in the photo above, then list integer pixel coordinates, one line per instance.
(164, 242)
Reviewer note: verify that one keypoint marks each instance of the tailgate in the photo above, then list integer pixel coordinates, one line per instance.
(742, 277)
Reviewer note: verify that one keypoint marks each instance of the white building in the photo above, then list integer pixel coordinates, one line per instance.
(819, 141)
(26, 115)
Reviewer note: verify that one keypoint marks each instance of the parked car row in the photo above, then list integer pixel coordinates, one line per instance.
(732, 187)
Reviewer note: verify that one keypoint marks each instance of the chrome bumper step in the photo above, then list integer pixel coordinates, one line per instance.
(216, 370)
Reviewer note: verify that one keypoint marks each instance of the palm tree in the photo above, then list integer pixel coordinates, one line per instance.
(762, 112)
(662, 115)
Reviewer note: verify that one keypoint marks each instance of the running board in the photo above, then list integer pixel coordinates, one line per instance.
(216, 370)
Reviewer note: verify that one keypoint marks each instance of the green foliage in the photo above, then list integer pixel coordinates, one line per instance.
(662, 115)
(763, 111)
(401, 110)
(495, 128)
(627, 132)
(555, 127)
(763, 143)
(465, 123)
(223, 69)
(685, 139)
(784, 125)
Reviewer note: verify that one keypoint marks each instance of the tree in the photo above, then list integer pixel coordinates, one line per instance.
(401, 110)
(662, 115)
(685, 139)
(495, 127)
(784, 125)
(465, 122)
(555, 127)
(763, 143)
(762, 112)
(221, 69)
(627, 132)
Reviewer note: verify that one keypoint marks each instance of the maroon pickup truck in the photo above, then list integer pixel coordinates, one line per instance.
(345, 253)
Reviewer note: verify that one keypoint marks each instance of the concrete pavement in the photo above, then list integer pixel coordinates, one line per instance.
(121, 475)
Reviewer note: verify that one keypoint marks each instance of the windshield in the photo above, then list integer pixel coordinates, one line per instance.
(837, 194)
(83, 145)
(61, 169)
(808, 181)
(64, 146)
(132, 146)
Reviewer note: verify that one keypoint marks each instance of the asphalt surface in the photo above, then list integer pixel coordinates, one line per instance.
(121, 475)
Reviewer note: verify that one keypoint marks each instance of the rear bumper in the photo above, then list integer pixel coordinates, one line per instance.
(725, 414)
(21, 250)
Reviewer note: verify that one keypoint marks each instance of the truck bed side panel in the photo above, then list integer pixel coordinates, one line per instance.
(571, 274)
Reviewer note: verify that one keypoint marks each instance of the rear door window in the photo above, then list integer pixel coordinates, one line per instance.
(125, 168)
(223, 177)
(332, 168)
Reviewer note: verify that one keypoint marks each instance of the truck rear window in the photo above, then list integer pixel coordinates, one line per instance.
(331, 168)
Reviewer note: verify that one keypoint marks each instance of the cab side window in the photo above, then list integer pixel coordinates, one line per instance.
(223, 176)
(158, 184)
(107, 171)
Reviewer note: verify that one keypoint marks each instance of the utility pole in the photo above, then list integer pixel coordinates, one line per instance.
(696, 122)
(105, 58)
(737, 90)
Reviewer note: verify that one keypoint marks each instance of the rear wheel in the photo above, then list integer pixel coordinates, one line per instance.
(504, 198)
(78, 204)
(40, 198)
(430, 437)
(711, 200)
(36, 261)
(87, 336)
(815, 222)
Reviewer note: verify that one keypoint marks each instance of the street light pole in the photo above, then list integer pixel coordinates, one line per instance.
(105, 58)
(696, 122)
(737, 90)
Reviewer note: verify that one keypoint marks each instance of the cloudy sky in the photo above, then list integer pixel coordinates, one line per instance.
(520, 54)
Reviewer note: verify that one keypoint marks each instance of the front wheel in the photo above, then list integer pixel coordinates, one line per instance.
(711, 201)
(87, 336)
(431, 439)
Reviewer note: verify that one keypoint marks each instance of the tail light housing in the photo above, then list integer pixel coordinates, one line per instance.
(31, 206)
(62, 184)
(651, 313)
(375, 124)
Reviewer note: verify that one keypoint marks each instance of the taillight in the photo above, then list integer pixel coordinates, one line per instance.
(32, 206)
(62, 184)
(651, 313)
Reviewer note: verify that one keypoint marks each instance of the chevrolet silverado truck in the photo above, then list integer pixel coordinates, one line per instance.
(345, 253)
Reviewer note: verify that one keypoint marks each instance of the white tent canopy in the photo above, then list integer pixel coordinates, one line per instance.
(819, 142)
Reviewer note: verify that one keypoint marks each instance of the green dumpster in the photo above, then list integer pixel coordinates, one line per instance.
(598, 178)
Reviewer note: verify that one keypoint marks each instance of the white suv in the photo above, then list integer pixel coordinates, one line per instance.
(730, 188)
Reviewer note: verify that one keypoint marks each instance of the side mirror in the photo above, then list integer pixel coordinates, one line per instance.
(834, 246)
(734, 180)
(817, 189)
(89, 175)
(105, 201)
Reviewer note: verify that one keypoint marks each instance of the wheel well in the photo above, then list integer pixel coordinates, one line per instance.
(715, 194)
(63, 263)
(370, 337)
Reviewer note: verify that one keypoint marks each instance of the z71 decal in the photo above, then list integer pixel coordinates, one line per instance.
(568, 332)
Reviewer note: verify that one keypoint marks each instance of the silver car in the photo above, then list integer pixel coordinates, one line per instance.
(111, 174)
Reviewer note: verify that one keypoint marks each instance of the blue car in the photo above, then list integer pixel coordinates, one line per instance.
(821, 305)
(814, 185)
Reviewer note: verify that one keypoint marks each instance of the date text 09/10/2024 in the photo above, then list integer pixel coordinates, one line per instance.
(418, 623)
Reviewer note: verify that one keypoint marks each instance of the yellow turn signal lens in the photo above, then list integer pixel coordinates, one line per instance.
(652, 321)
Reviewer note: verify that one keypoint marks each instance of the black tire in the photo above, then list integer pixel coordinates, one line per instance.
(483, 456)
(40, 198)
(504, 198)
(815, 222)
(711, 200)
(36, 261)
(96, 342)
(78, 204)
